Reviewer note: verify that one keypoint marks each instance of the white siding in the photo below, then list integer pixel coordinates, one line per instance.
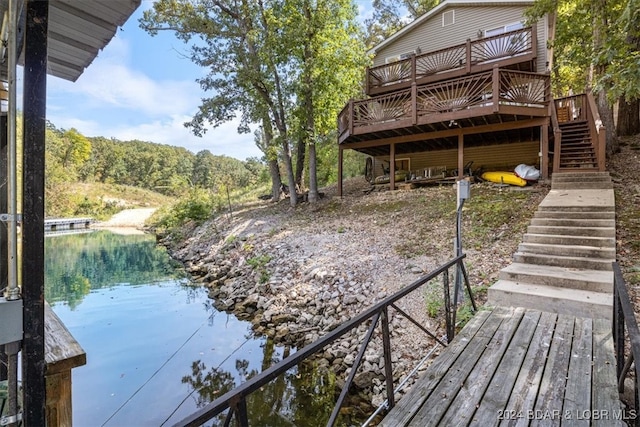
(431, 35)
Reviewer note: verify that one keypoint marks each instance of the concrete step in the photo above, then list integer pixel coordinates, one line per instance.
(573, 208)
(564, 261)
(586, 280)
(568, 176)
(568, 222)
(581, 185)
(558, 239)
(598, 305)
(573, 231)
(574, 215)
(582, 251)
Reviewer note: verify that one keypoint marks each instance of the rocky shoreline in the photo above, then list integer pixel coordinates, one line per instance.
(297, 275)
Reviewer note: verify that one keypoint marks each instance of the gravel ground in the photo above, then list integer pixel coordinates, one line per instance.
(128, 218)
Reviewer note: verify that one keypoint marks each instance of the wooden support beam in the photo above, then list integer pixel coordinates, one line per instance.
(34, 121)
(340, 161)
(544, 150)
(392, 167)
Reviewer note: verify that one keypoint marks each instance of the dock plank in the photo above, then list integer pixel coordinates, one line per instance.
(606, 405)
(497, 394)
(475, 385)
(578, 392)
(402, 413)
(525, 389)
(548, 409)
(519, 367)
(445, 392)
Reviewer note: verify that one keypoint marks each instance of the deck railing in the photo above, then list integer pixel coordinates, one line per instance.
(470, 57)
(455, 98)
(625, 325)
(582, 107)
(235, 401)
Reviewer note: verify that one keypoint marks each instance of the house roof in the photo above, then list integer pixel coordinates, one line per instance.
(445, 4)
(78, 30)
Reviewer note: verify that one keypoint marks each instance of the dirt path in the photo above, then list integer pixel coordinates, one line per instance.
(130, 218)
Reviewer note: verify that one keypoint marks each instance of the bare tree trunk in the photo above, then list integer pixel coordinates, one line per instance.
(628, 117)
(300, 157)
(600, 26)
(308, 101)
(276, 182)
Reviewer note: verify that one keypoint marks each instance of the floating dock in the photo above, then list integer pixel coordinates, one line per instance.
(58, 224)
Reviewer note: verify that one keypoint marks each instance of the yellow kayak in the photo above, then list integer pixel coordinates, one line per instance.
(504, 178)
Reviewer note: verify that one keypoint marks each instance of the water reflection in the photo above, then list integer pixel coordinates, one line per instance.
(76, 264)
(157, 350)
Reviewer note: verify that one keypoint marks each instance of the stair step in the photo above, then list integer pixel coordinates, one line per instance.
(598, 305)
(574, 215)
(576, 148)
(564, 261)
(569, 222)
(590, 169)
(582, 251)
(544, 207)
(573, 231)
(558, 239)
(560, 277)
(580, 176)
(582, 185)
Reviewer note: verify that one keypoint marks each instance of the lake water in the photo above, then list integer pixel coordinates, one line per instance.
(156, 348)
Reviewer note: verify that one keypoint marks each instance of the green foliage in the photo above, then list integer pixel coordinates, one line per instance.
(196, 207)
(259, 263)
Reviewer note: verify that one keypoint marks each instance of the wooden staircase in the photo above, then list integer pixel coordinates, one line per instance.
(577, 150)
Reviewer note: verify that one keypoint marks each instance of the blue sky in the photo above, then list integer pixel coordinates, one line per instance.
(142, 87)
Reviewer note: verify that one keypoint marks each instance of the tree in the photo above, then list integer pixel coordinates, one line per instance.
(241, 47)
(269, 60)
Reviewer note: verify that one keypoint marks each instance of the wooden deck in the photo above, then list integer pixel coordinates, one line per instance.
(513, 366)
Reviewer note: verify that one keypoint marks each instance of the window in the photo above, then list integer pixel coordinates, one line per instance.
(503, 29)
(448, 18)
(396, 58)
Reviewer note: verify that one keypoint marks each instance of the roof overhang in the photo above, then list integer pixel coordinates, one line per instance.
(78, 30)
(445, 4)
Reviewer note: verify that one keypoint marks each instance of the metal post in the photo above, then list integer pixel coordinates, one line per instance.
(35, 90)
(386, 348)
(4, 256)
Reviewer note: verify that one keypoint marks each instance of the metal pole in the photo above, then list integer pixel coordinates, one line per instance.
(35, 91)
(13, 292)
(4, 256)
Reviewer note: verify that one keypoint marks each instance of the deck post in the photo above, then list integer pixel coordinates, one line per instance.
(468, 56)
(392, 167)
(340, 160)
(544, 150)
(495, 89)
(34, 122)
(460, 155)
(63, 353)
(414, 103)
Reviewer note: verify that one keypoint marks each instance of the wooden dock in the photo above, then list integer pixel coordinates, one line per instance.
(58, 224)
(518, 367)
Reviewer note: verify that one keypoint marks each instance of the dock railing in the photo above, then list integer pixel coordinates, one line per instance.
(235, 400)
(625, 326)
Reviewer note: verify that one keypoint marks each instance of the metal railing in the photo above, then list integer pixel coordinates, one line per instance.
(625, 325)
(235, 401)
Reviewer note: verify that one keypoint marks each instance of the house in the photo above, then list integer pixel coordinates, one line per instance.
(468, 82)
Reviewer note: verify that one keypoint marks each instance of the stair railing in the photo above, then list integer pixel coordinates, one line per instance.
(235, 401)
(557, 136)
(597, 131)
(625, 325)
